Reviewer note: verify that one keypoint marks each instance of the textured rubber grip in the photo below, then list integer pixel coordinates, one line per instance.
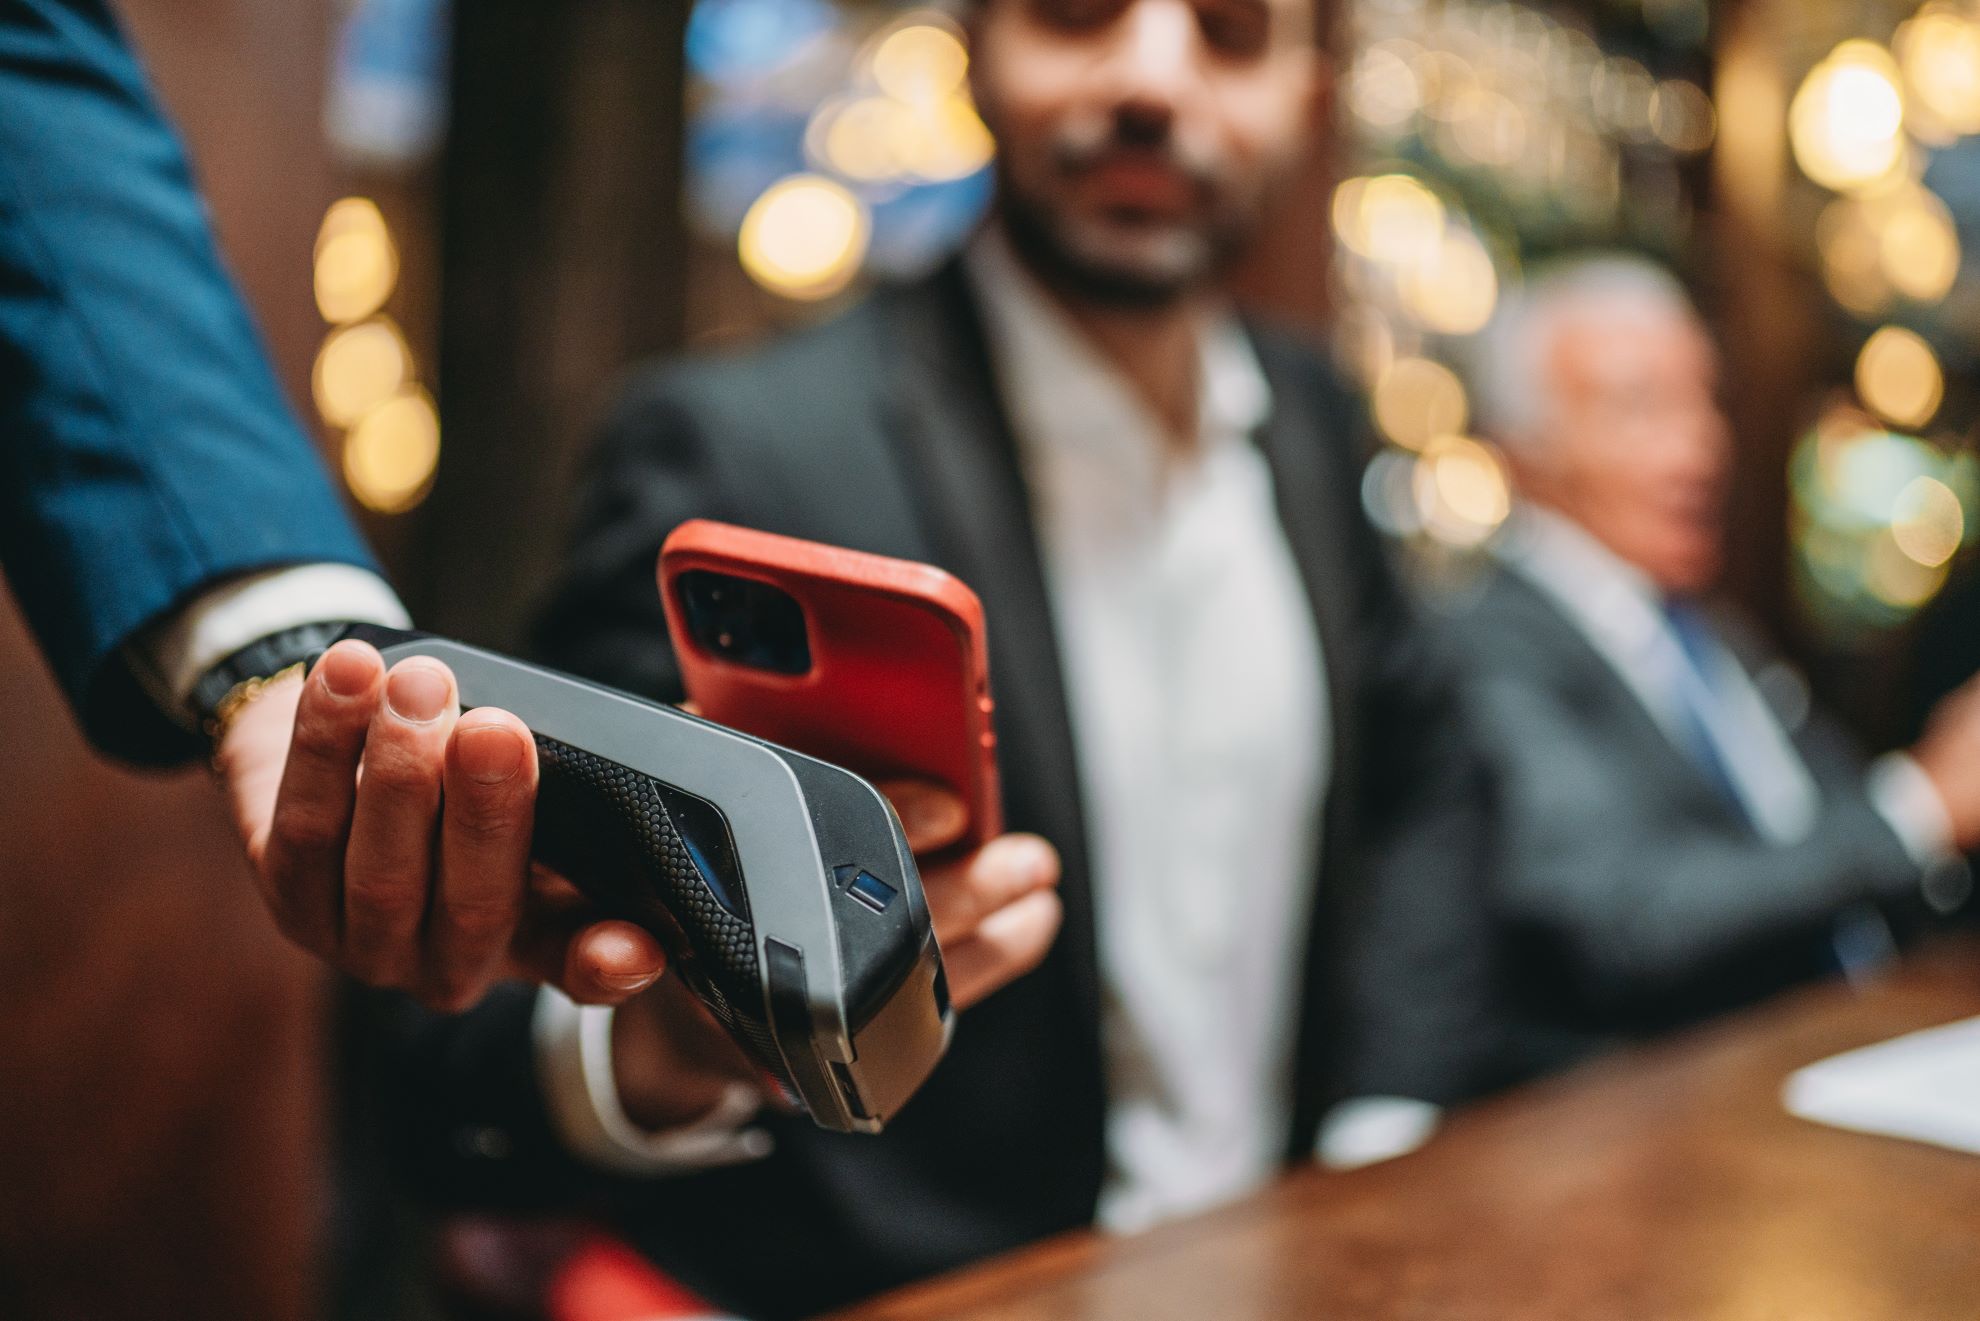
(614, 832)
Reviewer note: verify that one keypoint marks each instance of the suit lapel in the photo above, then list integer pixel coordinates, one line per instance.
(946, 422)
(1609, 691)
(1311, 512)
(1314, 512)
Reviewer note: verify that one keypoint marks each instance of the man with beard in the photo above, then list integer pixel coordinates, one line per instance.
(1213, 701)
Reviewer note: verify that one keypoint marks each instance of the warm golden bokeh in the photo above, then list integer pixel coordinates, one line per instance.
(1847, 121)
(391, 454)
(1417, 399)
(1461, 490)
(1899, 378)
(358, 368)
(805, 237)
(356, 262)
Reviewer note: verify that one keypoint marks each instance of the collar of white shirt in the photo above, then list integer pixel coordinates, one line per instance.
(1068, 399)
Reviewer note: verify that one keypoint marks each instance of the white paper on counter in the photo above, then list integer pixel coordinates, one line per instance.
(1924, 1086)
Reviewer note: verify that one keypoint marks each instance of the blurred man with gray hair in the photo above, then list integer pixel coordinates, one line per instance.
(1681, 833)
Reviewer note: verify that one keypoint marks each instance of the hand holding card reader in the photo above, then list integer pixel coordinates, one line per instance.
(781, 887)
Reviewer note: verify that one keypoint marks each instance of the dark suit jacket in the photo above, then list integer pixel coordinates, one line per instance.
(883, 431)
(1633, 897)
(145, 448)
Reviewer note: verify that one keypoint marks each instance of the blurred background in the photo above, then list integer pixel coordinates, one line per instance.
(461, 224)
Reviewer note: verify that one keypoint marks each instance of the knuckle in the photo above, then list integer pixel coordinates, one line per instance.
(400, 768)
(385, 904)
(480, 920)
(320, 735)
(483, 819)
(306, 825)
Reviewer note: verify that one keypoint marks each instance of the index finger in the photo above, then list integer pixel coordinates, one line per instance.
(311, 822)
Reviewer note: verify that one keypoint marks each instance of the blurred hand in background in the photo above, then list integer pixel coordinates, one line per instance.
(1949, 754)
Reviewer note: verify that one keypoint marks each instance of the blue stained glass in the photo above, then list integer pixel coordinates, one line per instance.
(387, 100)
(729, 40)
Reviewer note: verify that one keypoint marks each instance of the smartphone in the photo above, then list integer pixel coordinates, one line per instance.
(875, 664)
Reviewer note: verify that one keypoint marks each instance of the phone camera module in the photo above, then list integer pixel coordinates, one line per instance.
(744, 621)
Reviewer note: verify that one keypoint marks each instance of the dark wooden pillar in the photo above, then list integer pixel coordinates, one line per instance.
(1767, 307)
(562, 264)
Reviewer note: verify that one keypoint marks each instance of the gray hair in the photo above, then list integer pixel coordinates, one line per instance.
(1511, 389)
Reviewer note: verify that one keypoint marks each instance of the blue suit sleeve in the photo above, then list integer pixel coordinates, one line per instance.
(146, 450)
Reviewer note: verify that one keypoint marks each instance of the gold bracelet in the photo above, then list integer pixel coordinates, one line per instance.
(240, 696)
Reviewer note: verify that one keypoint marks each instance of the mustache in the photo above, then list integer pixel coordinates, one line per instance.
(1084, 144)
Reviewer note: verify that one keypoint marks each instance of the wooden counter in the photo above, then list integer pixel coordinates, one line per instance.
(1664, 1183)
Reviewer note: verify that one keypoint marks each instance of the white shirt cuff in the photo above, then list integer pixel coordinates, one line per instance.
(171, 656)
(573, 1045)
(1367, 1130)
(1905, 797)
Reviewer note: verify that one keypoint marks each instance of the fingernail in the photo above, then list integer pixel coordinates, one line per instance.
(627, 981)
(1037, 858)
(418, 693)
(488, 754)
(344, 671)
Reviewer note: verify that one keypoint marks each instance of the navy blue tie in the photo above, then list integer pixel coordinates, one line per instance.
(1696, 639)
(1859, 940)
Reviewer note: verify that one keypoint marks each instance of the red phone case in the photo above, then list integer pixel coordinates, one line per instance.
(899, 683)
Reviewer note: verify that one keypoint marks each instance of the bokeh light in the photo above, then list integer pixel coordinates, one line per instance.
(1382, 89)
(921, 61)
(1878, 518)
(869, 102)
(805, 237)
(1846, 123)
(1388, 493)
(1392, 219)
(1920, 248)
(1896, 578)
(1454, 292)
(391, 454)
(1416, 400)
(1939, 52)
(1682, 117)
(357, 368)
(955, 145)
(1850, 238)
(1898, 242)
(1927, 523)
(1461, 492)
(867, 139)
(1899, 377)
(356, 262)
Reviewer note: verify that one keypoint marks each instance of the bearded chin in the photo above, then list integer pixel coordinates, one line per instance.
(1133, 268)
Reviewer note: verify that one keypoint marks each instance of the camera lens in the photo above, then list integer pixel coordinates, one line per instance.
(745, 621)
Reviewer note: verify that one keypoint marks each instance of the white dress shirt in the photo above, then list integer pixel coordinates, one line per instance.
(1197, 692)
(1619, 611)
